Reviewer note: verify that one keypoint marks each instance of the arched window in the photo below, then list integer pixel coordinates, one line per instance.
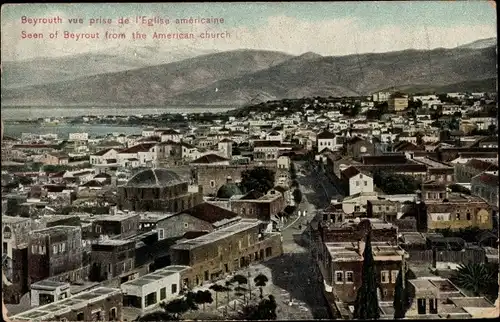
(7, 232)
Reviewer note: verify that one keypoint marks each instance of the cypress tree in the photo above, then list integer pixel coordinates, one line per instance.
(399, 296)
(366, 306)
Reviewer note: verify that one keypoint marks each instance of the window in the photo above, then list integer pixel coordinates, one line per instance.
(163, 293)
(33, 249)
(98, 229)
(339, 277)
(384, 277)
(468, 215)
(366, 183)
(161, 233)
(54, 249)
(349, 277)
(112, 314)
(150, 299)
(457, 216)
(174, 288)
(5, 248)
(41, 250)
(212, 183)
(357, 183)
(186, 225)
(80, 316)
(394, 276)
(421, 306)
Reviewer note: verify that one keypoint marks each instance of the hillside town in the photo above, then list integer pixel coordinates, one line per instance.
(313, 208)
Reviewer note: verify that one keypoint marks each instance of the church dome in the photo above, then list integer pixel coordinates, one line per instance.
(154, 178)
(228, 190)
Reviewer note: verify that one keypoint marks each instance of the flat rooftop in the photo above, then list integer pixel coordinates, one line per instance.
(430, 162)
(376, 223)
(118, 217)
(156, 275)
(240, 226)
(56, 229)
(76, 302)
(155, 216)
(114, 242)
(14, 219)
(349, 251)
(49, 285)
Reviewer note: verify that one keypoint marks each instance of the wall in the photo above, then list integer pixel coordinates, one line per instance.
(178, 225)
(106, 304)
(480, 214)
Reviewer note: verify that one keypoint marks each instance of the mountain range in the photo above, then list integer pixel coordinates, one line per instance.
(145, 76)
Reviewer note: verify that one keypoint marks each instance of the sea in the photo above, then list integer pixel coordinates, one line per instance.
(10, 114)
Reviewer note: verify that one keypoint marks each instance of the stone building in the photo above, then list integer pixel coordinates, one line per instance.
(334, 228)
(254, 204)
(384, 209)
(120, 225)
(15, 233)
(341, 264)
(54, 251)
(357, 147)
(454, 210)
(157, 189)
(211, 178)
(224, 251)
(99, 304)
(112, 258)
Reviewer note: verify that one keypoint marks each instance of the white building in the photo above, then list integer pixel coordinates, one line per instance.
(140, 154)
(357, 181)
(78, 137)
(47, 291)
(284, 162)
(150, 290)
(326, 140)
(225, 148)
(169, 135)
(381, 96)
(104, 156)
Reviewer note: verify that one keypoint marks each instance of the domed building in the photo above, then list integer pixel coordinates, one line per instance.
(157, 190)
(228, 190)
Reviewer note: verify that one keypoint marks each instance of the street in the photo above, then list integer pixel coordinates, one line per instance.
(294, 279)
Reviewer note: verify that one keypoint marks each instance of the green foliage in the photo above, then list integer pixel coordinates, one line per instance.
(293, 171)
(265, 310)
(402, 300)
(297, 196)
(261, 281)
(260, 179)
(460, 189)
(366, 306)
(176, 307)
(469, 234)
(393, 183)
(54, 168)
(479, 278)
(156, 316)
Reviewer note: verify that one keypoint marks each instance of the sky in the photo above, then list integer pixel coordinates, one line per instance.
(327, 28)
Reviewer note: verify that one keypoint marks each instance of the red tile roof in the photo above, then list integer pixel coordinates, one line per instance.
(481, 165)
(210, 158)
(144, 147)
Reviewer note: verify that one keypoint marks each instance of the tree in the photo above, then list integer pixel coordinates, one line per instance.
(475, 277)
(241, 280)
(366, 306)
(260, 179)
(293, 171)
(295, 184)
(203, 297)
(265, 310)
(156, 316)
(261, 281)
(190, 299)
(492, 129)
(54, 168)
(176, 307)
(402, 300)
(217, 288)
(297, 196)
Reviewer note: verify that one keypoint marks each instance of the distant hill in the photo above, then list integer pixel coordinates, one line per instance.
(480, 44)
(251, 76)
(484, 85)
(43, 70)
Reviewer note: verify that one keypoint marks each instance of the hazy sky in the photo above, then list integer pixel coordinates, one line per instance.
(336, 28)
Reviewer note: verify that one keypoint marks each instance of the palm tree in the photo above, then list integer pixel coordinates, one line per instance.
(260, 281)
(475, 277)
(217, 288)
